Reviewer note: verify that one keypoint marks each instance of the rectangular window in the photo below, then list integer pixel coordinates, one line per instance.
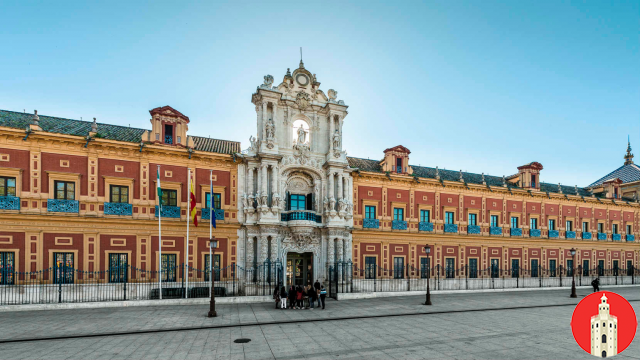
(585, 267)
(569, 267)
(398, 214)
(585, 226)
(448, 217)
(600, 227)
(7, 186)
(552, 268)
(399, 165)
(370, 267)
(629, 267)
(424, 267)
(119, 194)
(118, 268)
(473, 219)
(614, 228)
(533, 180)
(216, 267)
(552, 224)
(398, 268)
(425, 216)
(514, 222)
(495, 268)
(217, 201)
(450, 268)
(615, 267)
(169, 197)
(63, 268)
(169, 267)
(369, 212)
(473, 268)
(515, 268)
(600, 267)
(494, 221)
(168, 134)
(629, 229)
(534, 268)
(297, 202)
(533, 223)
(569, 226)
(7, 268)
(65, 190)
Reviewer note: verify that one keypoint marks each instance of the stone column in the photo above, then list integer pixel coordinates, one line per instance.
(340, 187)
(263, 249)
(250, 181)
(274, 248)
(274, 184)
(331, 131)
(249, 252)
(341, 265)
(330, 193)
(263, 131)
(330, 250)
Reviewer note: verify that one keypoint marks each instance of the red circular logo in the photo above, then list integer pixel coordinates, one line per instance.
(604, 324)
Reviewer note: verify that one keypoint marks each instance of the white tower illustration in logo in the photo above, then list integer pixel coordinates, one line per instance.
(604, 331)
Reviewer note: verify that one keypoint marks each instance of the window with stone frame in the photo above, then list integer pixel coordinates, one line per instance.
(64, 190)
(7, 186)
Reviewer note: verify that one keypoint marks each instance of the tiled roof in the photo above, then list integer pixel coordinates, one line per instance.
(106, 131)
(469, 178)
(626, 173)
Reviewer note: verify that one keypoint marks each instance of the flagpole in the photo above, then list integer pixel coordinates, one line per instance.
(210, 223)
(186, 254)
(159, 235)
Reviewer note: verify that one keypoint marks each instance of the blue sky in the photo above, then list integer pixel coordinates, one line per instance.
(482, 86)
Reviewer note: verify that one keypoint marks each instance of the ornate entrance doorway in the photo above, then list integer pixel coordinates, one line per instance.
(300, 269)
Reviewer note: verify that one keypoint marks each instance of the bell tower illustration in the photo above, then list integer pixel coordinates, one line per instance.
(604, 331)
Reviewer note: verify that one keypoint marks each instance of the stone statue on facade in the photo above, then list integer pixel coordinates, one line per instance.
(271, 129)
(336, 140)
(254, 143)
(342, 207)
(332, 203)
(251, 199)
(268, 81)
(325, 204)
(332, 95)
(302, 136)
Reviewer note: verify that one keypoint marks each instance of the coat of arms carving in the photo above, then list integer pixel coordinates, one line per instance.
(302, 99)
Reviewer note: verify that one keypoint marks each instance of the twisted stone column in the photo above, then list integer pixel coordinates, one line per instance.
(249, 252)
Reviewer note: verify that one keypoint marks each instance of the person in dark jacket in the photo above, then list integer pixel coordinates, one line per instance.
(313, 296)
(283, 297)
(316, 287)
(292, 297)
(299, 297)
(276, 295)
(596, 284)
(323, 295)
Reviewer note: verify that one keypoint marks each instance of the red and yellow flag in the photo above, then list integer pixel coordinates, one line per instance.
(193, 210)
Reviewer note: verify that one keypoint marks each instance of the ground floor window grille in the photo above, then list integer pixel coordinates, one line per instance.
(63, 268)
(216, 267)
(168, 267)
(7, 268)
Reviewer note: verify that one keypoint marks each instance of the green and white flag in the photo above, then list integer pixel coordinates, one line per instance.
(159, 188)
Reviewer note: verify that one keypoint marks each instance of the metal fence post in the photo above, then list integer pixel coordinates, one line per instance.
(540, 274)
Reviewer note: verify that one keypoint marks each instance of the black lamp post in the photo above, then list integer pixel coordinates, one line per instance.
(427, 251)
(573, 273)
(213, 244)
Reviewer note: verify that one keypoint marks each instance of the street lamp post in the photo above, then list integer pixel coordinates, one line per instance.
(213, 244)
(427, 251)
(573, 273)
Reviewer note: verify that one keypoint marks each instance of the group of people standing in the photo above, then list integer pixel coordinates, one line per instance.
(300, 297)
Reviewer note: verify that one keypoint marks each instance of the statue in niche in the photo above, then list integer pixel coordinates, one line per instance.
(302, 135)
(271, 129)
(336, 140)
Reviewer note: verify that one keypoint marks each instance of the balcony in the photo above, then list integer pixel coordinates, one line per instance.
(586, 235)
(168, 139)
(554, 234)
(473, 229)
(630, 238)
(516, 232)
(535, 232)
(122, 209)
(206, 214)
(9, 203)
(495, 230)
(616, 237)
(299, 215)
(570, 235)
(602, 236)
(168, 211)
(425, 226)
(371, 224)
(398, 225)
(450, 228)
(65, 206)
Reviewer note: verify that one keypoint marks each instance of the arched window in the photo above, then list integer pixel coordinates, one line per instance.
(604, 339)
(596, 325)
(610, 325)
(604, 354)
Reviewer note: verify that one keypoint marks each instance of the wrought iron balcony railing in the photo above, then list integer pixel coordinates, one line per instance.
(495, 230)
(301, 215)
(602, 236)
(473, 229)
(587, 235)
(425, 226)
(535, 232)
(206, 214)
(570, 235)
(168, 139)
(66, 206)
(516, 232)
(398, 225)
(616, 237)
(9, 203)
(371, 224)
(122, 209)
(554, 234)
(451, 228)
(630, 237)
(169, 211)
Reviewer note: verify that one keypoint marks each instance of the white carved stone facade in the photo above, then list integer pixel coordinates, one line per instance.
(296, 159)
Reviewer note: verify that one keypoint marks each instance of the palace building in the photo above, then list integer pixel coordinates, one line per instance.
(84, 193)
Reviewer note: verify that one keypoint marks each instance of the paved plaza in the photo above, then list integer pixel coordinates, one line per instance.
(505, 325)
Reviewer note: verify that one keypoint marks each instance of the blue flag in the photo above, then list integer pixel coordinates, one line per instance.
(213, 211)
